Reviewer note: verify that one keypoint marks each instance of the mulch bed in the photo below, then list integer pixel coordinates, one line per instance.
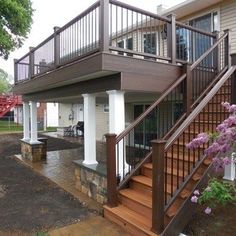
(222, 222)
(30, 202)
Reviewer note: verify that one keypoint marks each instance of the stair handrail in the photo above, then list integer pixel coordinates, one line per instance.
(188, 121)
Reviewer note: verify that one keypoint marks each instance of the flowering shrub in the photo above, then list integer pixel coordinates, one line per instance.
(218, 192)
(222, 147)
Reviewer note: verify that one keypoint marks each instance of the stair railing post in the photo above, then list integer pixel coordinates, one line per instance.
(233, 81)
(227, 49)
(171, 38)
(104, 25)
(112, 200)
(216, 55)
(188, 90)
(31, 62)
(56, 46)
(158, 185)
(15, 71)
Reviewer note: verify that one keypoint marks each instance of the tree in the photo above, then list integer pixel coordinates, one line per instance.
(4, 82)
(15, 23)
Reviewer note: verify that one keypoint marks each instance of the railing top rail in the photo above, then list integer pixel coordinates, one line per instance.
(204, 55)
(141, 11)
(18, 60)
(199, 108)
(149, 109)
(42, 43)
(92, 7)
(213, 35)
(84, 13)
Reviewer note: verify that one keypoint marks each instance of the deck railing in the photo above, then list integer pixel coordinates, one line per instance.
(115, 27)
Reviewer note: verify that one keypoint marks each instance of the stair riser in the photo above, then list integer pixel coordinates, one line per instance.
(183, 149)
(148, 172)
(139, 187)
(211, 116)
(131, 229)
(135, 206)
(175, 163)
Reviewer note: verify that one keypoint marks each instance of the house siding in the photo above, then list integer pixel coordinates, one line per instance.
(228, 21)
(102, 122)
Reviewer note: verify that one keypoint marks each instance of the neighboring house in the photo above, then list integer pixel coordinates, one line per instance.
(46, 112)
(140, 77)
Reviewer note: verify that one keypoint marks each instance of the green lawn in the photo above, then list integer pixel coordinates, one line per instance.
(6, 126)
(10, 126)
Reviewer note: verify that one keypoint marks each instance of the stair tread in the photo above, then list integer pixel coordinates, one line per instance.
(133, 218)
(169, 171)
(180, 157)
(174, 208)
(136, 196)
(148, 182)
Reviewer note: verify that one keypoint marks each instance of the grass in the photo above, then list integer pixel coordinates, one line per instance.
(10, 126)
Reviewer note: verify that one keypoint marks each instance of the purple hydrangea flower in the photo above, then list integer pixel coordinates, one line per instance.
(201, 139)
(196, 192)
(194, 199)
(208, 210)
(226, 161)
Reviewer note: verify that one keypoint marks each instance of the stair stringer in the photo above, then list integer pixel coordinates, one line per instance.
(187, 210)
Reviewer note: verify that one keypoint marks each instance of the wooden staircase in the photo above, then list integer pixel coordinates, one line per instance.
(182, 166)
(134, 211)
(154, 196)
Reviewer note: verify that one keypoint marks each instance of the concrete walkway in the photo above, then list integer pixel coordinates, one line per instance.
(60, 169)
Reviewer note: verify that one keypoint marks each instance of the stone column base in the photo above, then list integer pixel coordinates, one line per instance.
(34, 151)
(91, 180)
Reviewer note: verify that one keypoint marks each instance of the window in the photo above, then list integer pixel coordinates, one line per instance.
(208, 23)
(126, 44)
(121, 44)
(182, 43)
(149, 43)
(105, 108)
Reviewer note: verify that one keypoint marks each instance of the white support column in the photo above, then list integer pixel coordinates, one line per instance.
(117, 123)
(33, 124)
(26, 121)
(229, 172)
(89, 129)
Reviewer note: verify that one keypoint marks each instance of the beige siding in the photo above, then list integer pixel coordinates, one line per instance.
(228, 20)
(64, 112)
(102, 122)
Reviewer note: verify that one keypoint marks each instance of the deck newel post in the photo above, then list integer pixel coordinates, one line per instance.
(171, 38)
(216, 55)
(31, 62)
(111, 170)
(227, 48)
(56, 46)
(15, 71)
(104, 25)
(158, 185)
(188, 90)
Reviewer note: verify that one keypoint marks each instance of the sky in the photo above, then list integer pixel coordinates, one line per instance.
(50, 13)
